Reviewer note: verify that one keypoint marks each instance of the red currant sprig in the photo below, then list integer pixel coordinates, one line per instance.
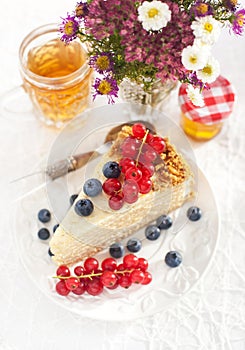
(89, 278)
(139, 152)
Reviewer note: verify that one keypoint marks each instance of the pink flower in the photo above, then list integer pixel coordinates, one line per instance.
(238, 22)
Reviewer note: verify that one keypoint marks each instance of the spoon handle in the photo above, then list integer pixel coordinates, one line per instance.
(69, 164)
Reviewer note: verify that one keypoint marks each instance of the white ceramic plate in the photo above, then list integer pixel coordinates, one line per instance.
(196, 241)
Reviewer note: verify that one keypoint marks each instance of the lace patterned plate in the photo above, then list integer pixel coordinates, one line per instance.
(196, 241)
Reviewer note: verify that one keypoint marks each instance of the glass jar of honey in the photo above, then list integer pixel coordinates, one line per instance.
(203, 123)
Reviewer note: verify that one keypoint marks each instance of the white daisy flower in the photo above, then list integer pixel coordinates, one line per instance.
(201, 44)
(210, 72)
(207, 29)
(195, 96)
(154, 15)
(194, 57)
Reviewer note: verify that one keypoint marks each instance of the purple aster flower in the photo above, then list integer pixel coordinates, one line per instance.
(238, 22)
(102, 63)
(106, 86)
(193, 80)
(201, 9)
(69, 28)
(81, 9)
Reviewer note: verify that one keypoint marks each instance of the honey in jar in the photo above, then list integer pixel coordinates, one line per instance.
(203, 123)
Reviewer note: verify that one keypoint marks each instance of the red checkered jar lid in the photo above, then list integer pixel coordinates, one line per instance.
(219, 101)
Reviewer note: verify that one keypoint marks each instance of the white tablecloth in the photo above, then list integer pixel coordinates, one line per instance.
(212, 315)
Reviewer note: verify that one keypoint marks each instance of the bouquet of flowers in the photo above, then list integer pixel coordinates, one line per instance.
(153, 40)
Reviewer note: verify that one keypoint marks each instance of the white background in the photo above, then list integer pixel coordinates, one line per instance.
(212, 316)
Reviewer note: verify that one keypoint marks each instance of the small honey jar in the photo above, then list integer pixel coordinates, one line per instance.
(203, 123)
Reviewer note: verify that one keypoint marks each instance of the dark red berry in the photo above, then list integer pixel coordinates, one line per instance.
(142, 264)
(130, 261)
(80, 288)
(108, 278)
(126, 163)
(130, 191)
(91, 264)
(130, 147)
(137, 276)
(79, 270)
(116, 202)
(94, 287)
(61, 288)
(111, 186)
(133, 173)
(145, 185)
(63, 271)
(125, 281)
(72, 283)
(147, 279)
(139, 130)
(109, 264)
(158, 144)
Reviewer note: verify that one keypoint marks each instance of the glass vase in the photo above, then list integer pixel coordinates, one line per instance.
(143, 102)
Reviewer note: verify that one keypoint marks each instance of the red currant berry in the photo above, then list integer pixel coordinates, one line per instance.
(61, 288)
(120, 267)
(137, 276)
(116, 202)
(130, 147)
(130, 191)
(145, 185)
(91, 264)
(63, 271)
(115, 285)
(147, 279)
(126, 163)
(158, 144)
(80, 288)
(94, 287)
(133, 173)
(111, 186)
(124, 281)
(149, 137)
(147, 169)
(108, 278)
(142, 264)
(130, 261)
(72, 283)
(79, 270)
(109, 264)
(139, 130)
(149, 154)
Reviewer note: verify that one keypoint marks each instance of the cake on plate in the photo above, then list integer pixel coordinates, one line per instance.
(153, 179)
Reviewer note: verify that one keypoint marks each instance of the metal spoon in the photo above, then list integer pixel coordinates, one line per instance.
(75, 162)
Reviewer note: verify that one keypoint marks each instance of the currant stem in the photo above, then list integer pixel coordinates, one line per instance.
(141, 146)
(92, 275)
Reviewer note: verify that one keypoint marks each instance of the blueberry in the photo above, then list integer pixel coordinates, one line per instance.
(84, 207)
(134, 245)
(44, 215)
(152, 232)
(43, 234)
(116, 250)
(111, 170)
(92, 187)
(50, 253)
(173, 259)
(194, 213)
(164, 222)
(55, 227)
(73, 198)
